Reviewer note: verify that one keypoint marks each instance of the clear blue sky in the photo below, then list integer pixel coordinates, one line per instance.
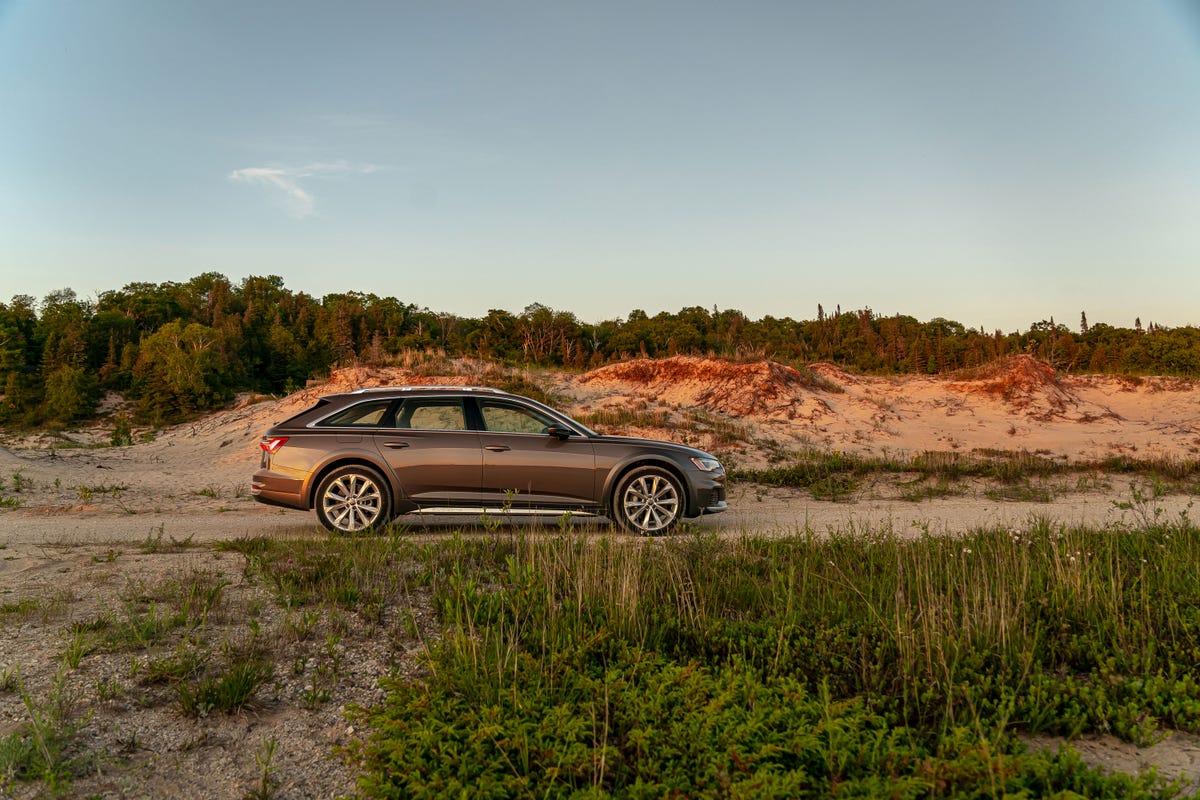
(997, 163)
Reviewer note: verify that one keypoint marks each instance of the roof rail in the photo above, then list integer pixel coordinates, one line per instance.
(369, 389)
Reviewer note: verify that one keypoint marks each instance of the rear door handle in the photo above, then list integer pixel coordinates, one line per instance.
(395, 445)
(496, 448)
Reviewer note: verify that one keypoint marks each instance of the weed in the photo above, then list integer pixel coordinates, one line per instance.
(300, 625)
(229, 691)
(1146, 515)
(122, 435)
(267, 782)
(834, 487)
(86, 493)
(142, 628)
(325, 674)
(38, 751)
(109, 689)
(20, 608)
(1006, 466)
(922, 489)
(184, 663)
(76, 648)
(624, 417)
(153, 543)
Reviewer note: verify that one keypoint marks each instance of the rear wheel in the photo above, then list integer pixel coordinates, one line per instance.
(648, 501)
(352, 499)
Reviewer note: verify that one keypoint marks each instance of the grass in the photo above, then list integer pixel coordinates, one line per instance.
(229, 690)
(570, 663)
(622, 418)
(1014, 470)
(796, 667)
(926, 489)
(18, 608)
(719, 430)
(41, 749)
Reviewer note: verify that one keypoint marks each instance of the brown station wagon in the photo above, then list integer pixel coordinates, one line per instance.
(360, 458)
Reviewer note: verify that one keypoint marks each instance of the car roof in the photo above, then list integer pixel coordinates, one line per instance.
(426, 389)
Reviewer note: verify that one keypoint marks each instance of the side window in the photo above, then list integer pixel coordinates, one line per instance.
(502, 418)
(432, 414)
(372, 414)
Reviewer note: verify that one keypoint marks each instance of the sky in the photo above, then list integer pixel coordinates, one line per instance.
(997, 164)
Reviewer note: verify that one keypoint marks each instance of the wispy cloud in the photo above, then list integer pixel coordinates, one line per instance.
(298, 201)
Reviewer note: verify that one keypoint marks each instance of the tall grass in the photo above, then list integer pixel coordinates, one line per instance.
(794, 665)
(813, 467)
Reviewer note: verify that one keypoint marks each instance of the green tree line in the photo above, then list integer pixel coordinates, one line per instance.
(178, 349)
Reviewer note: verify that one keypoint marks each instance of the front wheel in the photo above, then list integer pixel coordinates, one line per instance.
(352, 499)
(648, 501)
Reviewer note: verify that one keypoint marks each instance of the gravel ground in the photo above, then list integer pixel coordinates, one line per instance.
(134, 740)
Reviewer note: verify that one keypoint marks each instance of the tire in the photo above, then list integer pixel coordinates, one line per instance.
(352, 499)
(648, 501)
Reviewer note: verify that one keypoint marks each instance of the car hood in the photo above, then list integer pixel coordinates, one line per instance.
(659, 444)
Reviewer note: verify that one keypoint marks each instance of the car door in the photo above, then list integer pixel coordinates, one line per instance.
(524, 467)
(436, 458)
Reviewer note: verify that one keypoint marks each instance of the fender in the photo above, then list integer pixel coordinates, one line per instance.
(645, 460)
(358, 455)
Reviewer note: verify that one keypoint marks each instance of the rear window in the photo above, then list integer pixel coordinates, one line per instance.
(371, 414)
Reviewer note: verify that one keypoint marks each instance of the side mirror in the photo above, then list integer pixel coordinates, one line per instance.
(561, 431)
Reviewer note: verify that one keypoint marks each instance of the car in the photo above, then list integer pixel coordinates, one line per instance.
(361, 457)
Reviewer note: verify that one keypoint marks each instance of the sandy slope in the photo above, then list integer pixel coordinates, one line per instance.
(192, 479)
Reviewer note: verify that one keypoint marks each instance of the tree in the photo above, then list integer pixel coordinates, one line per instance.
(180, 371)
(20, 359)
(70, 394)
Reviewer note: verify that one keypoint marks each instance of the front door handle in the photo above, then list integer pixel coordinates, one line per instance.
(395, 445)
(497, 448)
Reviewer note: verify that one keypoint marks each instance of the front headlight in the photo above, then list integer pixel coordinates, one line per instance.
(707, 464)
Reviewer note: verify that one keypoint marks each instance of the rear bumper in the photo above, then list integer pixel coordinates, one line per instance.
(276, 490)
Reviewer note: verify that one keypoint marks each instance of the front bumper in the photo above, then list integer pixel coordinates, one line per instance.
(716, 501)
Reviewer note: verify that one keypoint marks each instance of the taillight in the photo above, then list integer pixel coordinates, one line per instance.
(273, 443)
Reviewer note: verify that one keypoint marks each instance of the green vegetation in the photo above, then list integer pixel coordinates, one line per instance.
(1014, 471)
(41, 749)
(177, 349)
(578, 663)
(122, 435)
(860, 665)
(230, 690)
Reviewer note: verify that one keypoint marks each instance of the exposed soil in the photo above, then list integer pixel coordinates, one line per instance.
(94, 521)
